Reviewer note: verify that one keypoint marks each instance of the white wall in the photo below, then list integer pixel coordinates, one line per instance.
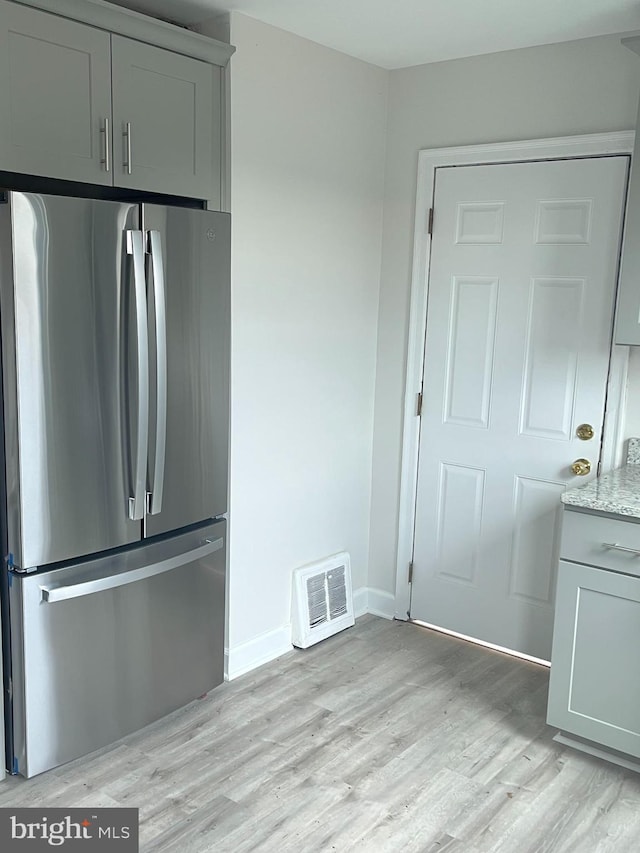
(577, 87)
(307, 141)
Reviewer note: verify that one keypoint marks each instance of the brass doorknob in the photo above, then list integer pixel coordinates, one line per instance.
(581, 467)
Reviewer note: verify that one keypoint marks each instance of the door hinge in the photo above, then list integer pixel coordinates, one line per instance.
(430, 222)
(419, 405)
(411, 572)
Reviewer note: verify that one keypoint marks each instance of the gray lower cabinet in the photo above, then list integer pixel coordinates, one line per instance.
(55, 95)
(162, 119)
(594, 690)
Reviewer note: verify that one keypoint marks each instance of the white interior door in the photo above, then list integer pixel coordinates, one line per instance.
(522, 279)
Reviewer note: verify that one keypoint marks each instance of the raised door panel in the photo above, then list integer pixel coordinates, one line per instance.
(594, 690)
(55, 96)
(163, 124)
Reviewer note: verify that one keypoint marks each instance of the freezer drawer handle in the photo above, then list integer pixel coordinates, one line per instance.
(157, 265)
(63, 593)
(135, 247)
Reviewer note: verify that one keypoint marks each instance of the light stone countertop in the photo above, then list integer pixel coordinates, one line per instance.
(617, 492)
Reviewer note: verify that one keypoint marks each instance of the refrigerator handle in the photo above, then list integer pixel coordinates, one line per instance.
(135, 247)
(159, 292)
(51, 594)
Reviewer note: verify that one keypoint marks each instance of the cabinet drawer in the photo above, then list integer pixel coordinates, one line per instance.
(588, 538)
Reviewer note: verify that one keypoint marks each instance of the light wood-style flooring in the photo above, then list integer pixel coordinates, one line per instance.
(387, 737)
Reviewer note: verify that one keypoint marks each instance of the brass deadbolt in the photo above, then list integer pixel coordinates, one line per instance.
(585, 432)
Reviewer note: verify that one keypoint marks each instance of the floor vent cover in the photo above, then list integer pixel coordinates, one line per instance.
(322, 600)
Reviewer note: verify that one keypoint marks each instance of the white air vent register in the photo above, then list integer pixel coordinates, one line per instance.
(322, 600)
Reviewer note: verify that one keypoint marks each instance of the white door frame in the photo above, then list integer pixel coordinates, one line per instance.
(428, 161)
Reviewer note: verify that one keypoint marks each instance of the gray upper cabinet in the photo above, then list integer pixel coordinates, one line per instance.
(627, 328)
(162, 119)
(80, 103)
(55, 95)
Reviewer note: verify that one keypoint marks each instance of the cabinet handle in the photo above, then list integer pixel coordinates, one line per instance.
(615, 547)
(127, 137)
(106, 159)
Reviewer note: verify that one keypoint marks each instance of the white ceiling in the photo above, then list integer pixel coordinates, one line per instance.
(399, 33)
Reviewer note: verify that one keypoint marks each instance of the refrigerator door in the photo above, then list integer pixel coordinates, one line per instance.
(63, 282)
(189, 284)
(102, 648)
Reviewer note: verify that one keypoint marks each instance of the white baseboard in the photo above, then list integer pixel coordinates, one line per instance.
(381, 603)
(268, 646)
(360, 601)
(367, 599)
(256, 652)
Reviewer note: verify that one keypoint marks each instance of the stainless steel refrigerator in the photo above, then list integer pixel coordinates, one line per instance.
(115, 366)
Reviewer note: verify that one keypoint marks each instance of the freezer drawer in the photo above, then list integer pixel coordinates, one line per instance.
(102, 648)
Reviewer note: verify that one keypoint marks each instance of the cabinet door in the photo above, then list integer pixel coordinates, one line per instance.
(594, 690)
(55, 96)
(162, 114)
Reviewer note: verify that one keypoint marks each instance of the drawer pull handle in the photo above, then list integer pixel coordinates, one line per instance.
(614, 546)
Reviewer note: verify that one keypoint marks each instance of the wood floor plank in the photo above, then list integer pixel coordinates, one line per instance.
(387, 737)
